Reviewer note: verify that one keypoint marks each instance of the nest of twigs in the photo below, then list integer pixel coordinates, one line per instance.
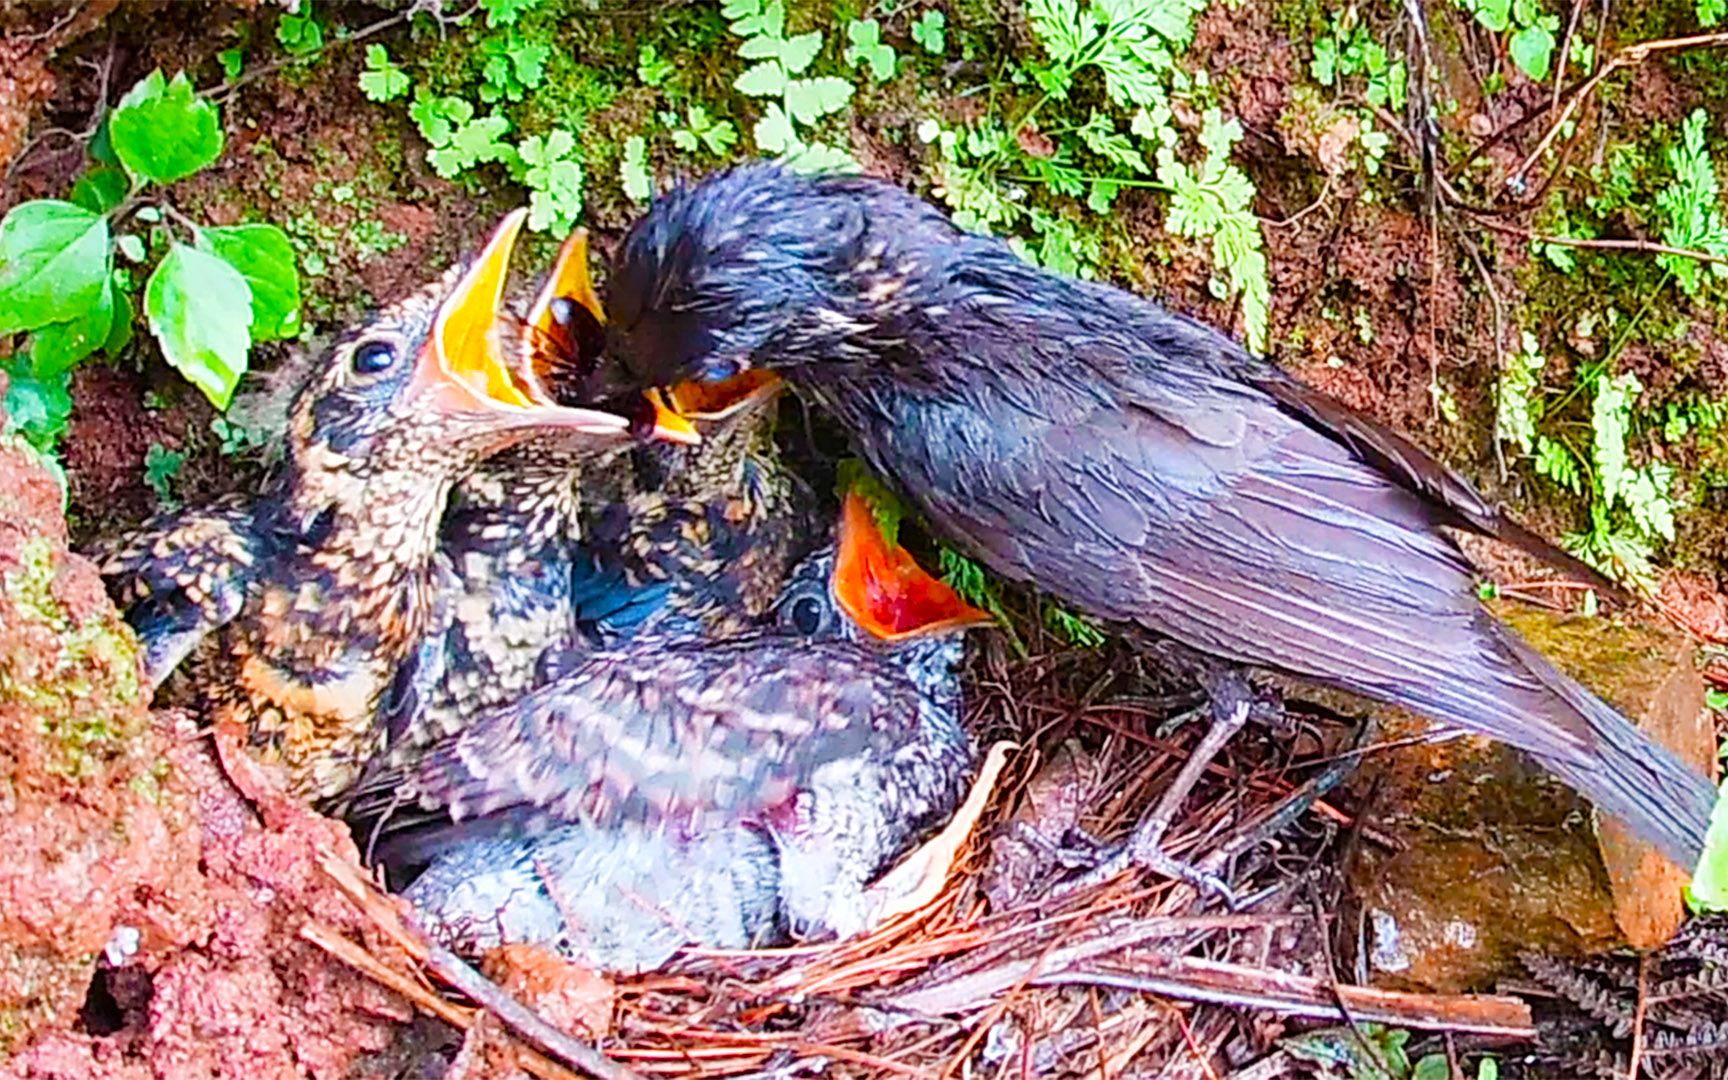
(1006, 973)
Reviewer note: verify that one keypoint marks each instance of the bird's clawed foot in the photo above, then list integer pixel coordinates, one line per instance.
(1232, 701)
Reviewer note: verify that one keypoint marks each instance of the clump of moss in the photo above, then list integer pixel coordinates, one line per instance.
(86, 702)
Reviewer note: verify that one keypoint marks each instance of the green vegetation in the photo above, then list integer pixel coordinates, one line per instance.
(1532, 30)
(1375, 1052)
(1631, 508)
(69, 270)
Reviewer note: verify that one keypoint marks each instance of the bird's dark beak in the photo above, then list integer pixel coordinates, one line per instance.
(461, 370)
(884, 590)
(569, 281)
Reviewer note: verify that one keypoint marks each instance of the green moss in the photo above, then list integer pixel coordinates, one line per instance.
(85, 702)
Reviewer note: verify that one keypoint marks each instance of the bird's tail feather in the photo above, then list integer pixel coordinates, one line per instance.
(1624, 772)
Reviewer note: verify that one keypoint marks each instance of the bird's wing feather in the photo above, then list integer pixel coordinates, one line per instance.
(181, 576)
(660, 731)
(1278, 546)
(1205, 358)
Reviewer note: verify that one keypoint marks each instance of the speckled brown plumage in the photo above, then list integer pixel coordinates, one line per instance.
(777, 772)
(340, 553)
(180, 576)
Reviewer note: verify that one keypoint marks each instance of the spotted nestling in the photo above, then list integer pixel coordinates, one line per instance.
(722, 793)
(336, 575)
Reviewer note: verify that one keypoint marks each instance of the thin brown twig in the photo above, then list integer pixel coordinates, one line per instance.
(456, 1016)
(1630, 56)
(1638, 1017)
(1647, 247)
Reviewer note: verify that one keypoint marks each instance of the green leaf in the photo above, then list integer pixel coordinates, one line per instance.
(633, 171)
(1495, 15)
(1709, 888)
(53, 263)
(164, 132)
(474, 142)
(58, 347)
(233, 61)
(1531, 49)
(120, 329)
(868, 50)
(1691, 207)
(37, 407)
(382, 80)
(809, 100)
(1060, 28)
(505, 12)
(757, 19)
(528, 60)
(1710, 12)
(302, 34)
(928, 31)
(199, 308)
(818, 158)
(557, 197)
(651, 68)
(130, 247)
(1324, 67)
(101, 189)
(767, 79)
(775, 134)
(161, 466)
(438, 117)
(265, 258)
(796, 53)
(1432, 1067)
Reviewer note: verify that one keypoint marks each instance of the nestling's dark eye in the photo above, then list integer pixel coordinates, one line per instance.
(373, 357)
(807, 615)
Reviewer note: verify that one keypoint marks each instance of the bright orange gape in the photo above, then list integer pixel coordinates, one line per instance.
(883, 588)
(463, 347)
(674, 406)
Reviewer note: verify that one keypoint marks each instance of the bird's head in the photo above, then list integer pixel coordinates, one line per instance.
(762, 267)
(401, 408)
(563, 338)
(866, 587)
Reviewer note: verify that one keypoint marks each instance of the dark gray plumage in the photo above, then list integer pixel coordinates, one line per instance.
(1134, 463)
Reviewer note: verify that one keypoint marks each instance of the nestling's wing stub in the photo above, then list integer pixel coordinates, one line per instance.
(664, 731)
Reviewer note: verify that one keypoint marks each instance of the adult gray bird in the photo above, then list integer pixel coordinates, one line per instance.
(1138, 465)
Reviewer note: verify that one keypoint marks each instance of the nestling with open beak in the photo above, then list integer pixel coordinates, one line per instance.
(522, 587)
(722, 793)
(342, 544)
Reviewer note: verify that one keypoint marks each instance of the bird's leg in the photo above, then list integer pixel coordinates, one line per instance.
(1073, 849)
(1231, 700)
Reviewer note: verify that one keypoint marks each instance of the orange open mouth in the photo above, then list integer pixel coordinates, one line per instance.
(716, 401)
(550, 329)
(464, 358)
(883, 588)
